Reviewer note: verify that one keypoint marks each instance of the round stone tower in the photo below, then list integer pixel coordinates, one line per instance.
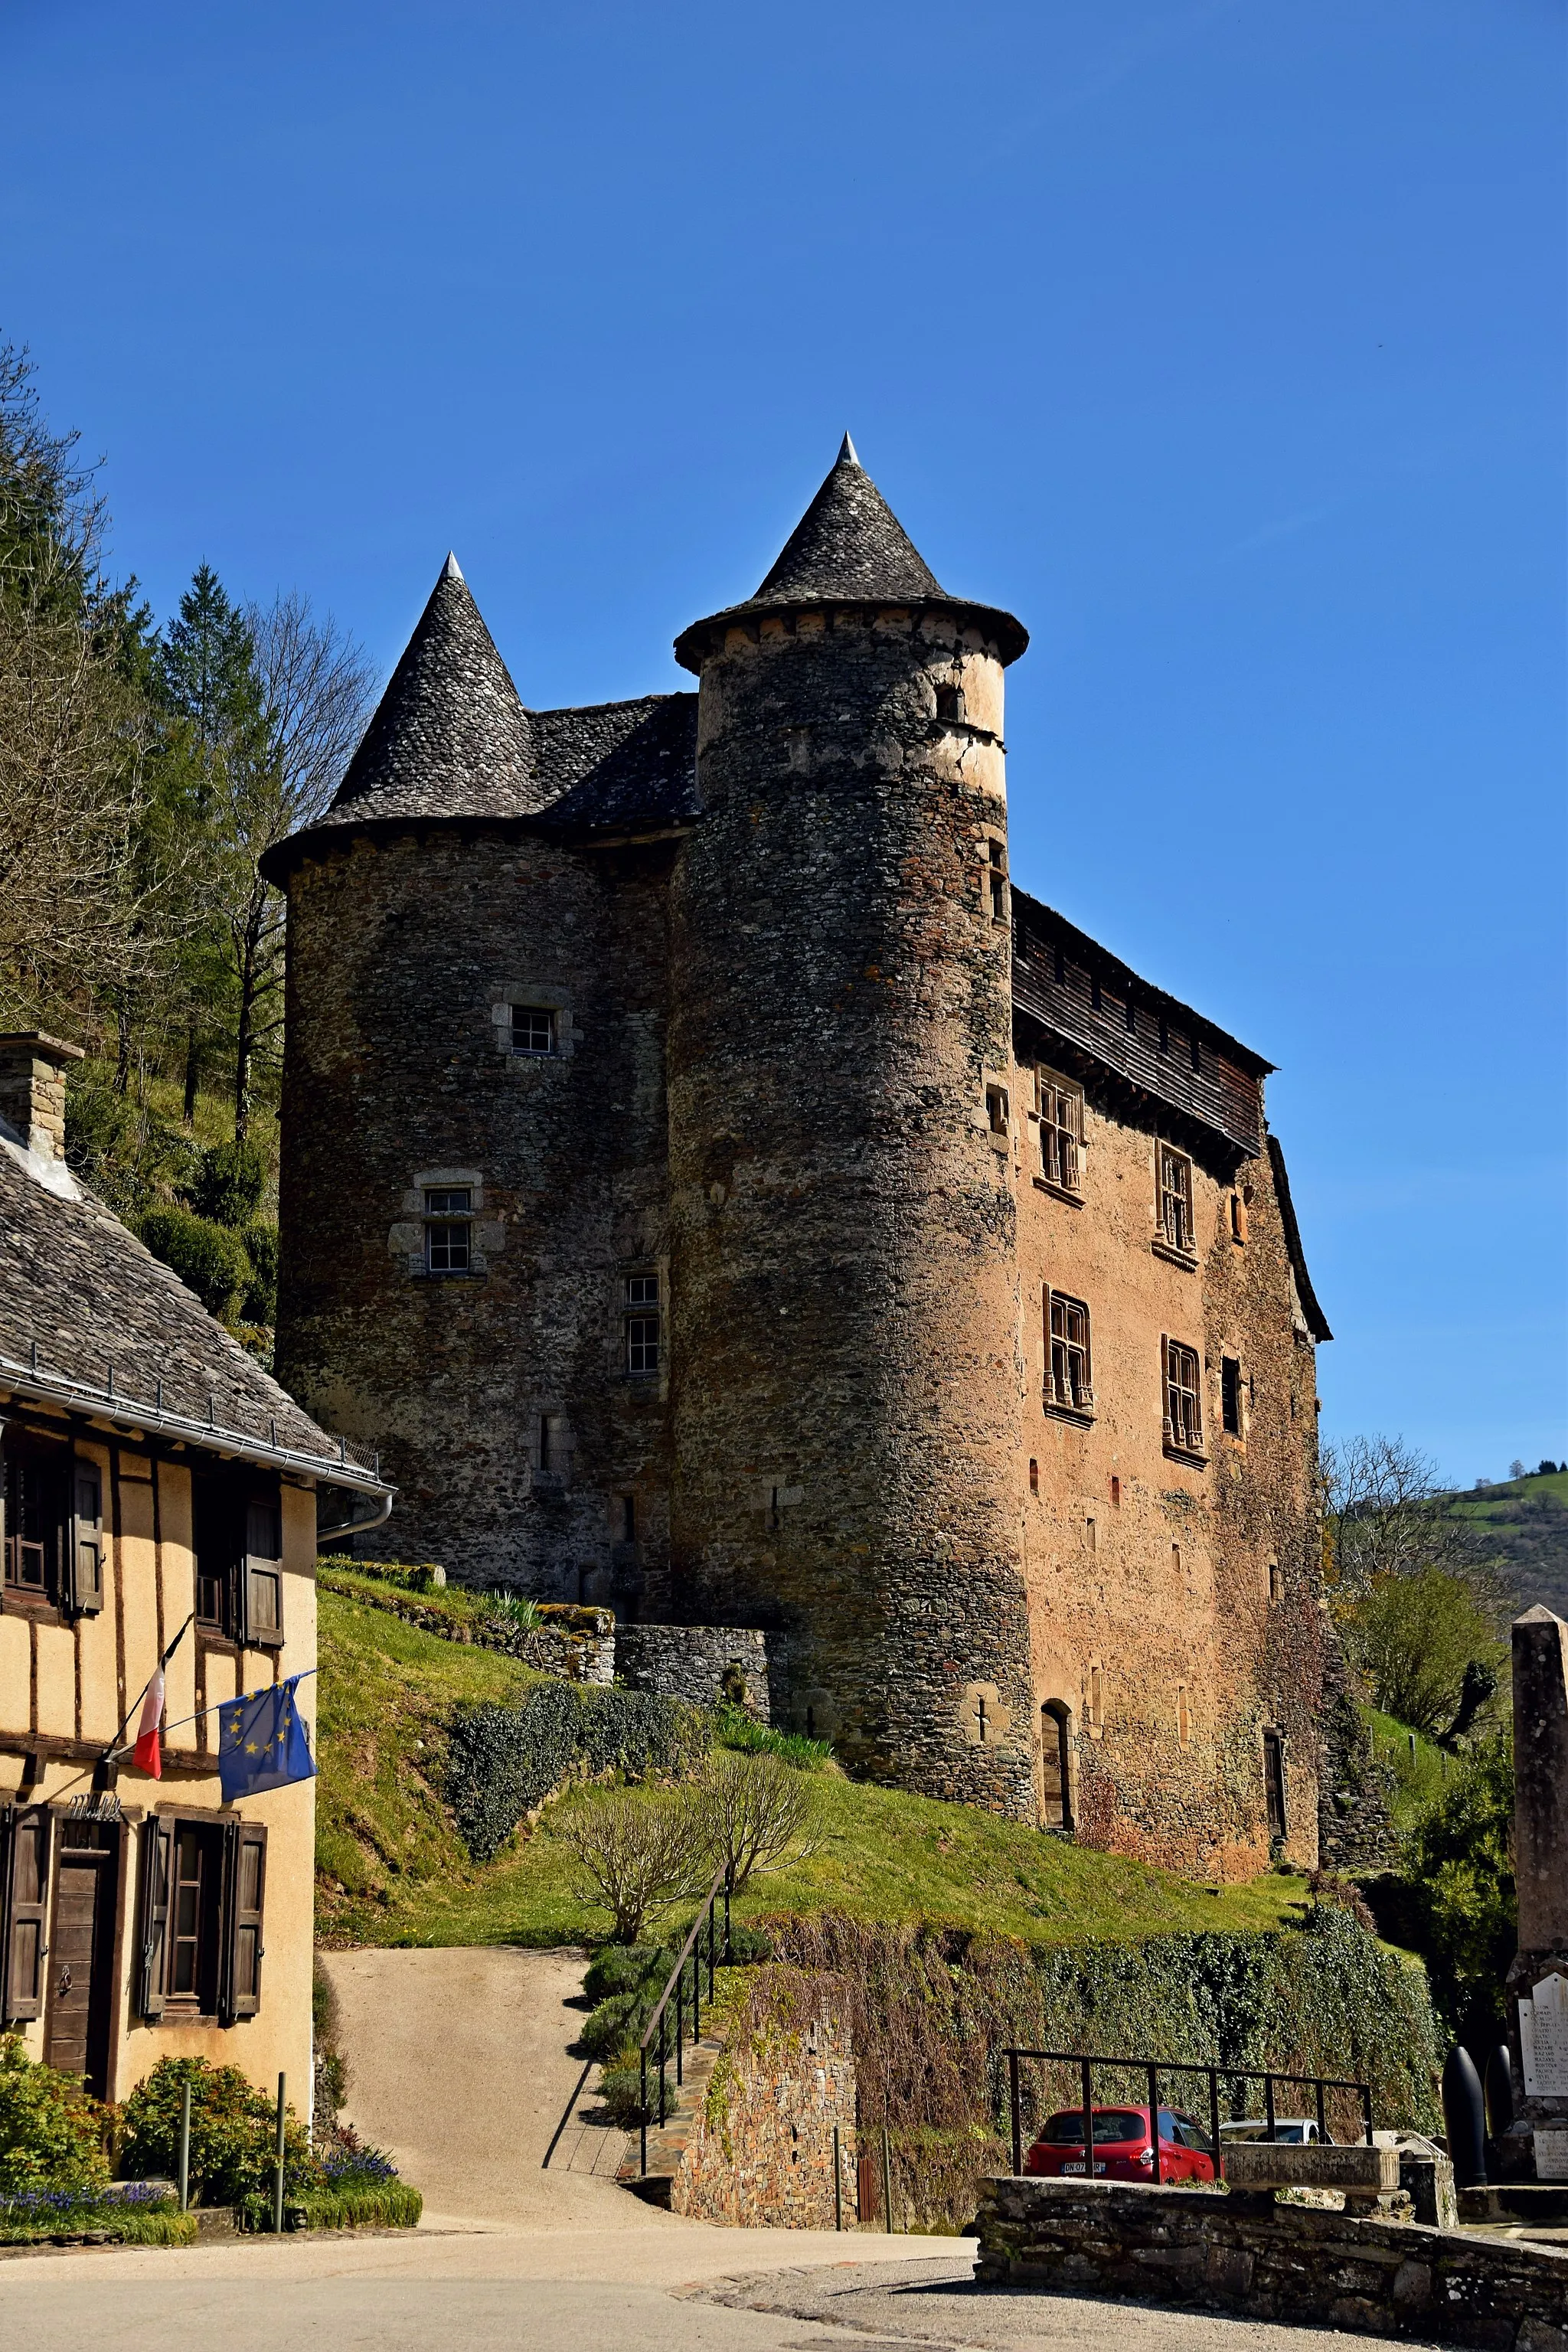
(847, 1371)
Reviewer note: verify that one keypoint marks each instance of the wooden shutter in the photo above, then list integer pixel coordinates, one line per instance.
(84, 1583)
(245, 1889)
(261, 1574)
(157, 1860)
(26, 1910)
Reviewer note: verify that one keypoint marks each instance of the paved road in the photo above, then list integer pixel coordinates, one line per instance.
(684, 2289)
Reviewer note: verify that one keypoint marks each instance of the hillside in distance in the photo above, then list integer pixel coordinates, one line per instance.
(1526, 1520)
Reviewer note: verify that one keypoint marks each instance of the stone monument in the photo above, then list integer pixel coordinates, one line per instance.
(1536, 2142)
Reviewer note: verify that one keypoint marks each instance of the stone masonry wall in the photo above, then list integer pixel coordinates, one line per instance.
(397, 1076)
(1249, 2258)
(704, 1664)
(846, 1383)
(749, 2139)
(1175, 1603)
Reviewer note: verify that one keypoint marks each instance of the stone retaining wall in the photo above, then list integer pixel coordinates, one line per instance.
(703, 1663)
(1252, 2259)
(749, 2139)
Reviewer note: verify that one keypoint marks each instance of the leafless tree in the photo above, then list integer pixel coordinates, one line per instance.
(315, 685)
(638, 1857)
(1388, 1515)
(749, 1812)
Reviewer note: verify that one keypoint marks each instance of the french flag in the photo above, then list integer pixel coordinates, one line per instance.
(148, 1753)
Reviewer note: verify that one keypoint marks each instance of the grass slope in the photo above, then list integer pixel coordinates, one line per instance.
(392, 1871)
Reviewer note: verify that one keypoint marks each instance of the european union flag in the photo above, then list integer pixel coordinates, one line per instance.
(263, 1742)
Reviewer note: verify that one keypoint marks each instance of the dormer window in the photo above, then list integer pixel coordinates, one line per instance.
(533, 1029)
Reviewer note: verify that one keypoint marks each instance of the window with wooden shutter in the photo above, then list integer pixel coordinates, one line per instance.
(245, 1893)
(35, 1513)
(152, 1926)
(23, 1912)
(86, 1539)
(263, 1573)
(217, 1545)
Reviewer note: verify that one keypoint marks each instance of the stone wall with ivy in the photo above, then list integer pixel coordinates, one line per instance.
(930, 2009)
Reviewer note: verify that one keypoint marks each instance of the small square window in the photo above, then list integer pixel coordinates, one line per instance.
(533, 1029)
(996, 1109)
(950, 703)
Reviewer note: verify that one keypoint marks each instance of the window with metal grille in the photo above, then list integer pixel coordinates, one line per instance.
(1061, 1131)
(533, 1029)
(1230, 1395)
(1184, 1420)
(448, 1235)
(1068, 1373)
(642, 1320)
(1176, 1200)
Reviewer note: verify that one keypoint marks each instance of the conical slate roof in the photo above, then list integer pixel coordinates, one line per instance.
(849, 547)
(449, 732)
(849, 543)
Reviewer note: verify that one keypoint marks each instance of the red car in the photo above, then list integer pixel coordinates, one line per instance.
(1122, 2150)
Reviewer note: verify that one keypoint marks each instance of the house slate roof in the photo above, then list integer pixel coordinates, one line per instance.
(848, 548)
(109, 1323)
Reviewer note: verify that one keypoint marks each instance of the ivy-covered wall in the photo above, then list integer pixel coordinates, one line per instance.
(930, 2009)
(503, 1761)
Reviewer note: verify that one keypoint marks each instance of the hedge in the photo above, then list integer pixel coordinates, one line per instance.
(504, 1761)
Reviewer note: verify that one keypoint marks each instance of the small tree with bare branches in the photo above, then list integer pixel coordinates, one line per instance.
(636, 1855)
(747, 1811)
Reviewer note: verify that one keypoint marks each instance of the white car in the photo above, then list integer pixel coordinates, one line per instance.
(1290, 2131)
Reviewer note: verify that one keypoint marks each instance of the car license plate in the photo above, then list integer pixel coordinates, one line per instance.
(1079, 2168)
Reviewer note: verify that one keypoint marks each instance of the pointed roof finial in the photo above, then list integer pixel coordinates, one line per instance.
(846, 456)
(453, 570)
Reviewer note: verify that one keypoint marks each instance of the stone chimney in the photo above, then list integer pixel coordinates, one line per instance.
(33, 1088)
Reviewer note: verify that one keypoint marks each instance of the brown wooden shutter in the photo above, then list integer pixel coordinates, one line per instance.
(157, 1859)
(261, 1574)
(245, 1889)
(25, 1910)
(84, 1588)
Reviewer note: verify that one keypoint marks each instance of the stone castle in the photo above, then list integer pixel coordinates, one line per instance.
(725, 1196)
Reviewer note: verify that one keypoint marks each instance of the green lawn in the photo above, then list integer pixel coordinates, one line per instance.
(392, 1871)
(1421, 1773)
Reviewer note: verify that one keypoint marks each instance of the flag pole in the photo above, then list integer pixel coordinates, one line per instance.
(241, 1698)
(115, 1749)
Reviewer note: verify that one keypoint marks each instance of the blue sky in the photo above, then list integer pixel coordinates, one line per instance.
(1222, 339)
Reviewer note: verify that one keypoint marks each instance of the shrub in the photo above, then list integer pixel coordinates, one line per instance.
(52, 2130)
(747, 1812)
(638, 1856)
(503, 1761)
(229, 1186)
(1455, 1901)
(208, 1258)
(129, 2218)
(1416, 1637)
(259, 1303)
(233, 2130)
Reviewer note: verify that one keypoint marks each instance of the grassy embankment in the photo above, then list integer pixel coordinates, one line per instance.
(391, 1869)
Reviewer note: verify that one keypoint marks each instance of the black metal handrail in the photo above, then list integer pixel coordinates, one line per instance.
(658, 2023)
(1151, 2069)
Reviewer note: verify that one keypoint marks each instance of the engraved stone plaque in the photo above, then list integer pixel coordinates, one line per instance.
(1543, 2039)
(1551, 2156)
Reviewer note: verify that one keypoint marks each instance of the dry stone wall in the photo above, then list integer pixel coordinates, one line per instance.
(1252, 2259)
